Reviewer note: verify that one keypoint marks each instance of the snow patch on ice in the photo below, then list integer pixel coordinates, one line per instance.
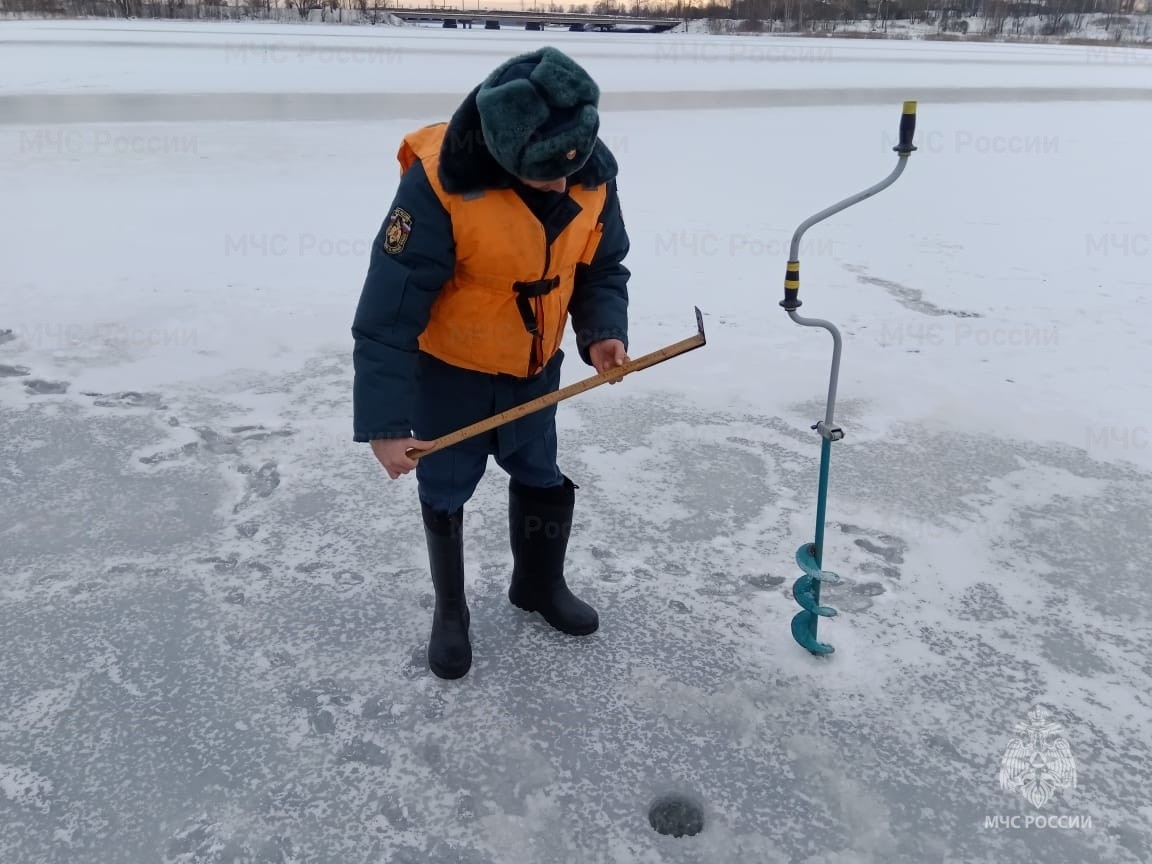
(40, 712)
(25, 787)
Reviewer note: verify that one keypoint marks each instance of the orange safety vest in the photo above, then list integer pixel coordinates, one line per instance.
(506, 277)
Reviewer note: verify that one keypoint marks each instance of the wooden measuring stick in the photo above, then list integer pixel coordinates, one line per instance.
(544, 401)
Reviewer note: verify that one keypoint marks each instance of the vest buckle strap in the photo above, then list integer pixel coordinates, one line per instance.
(530, 290)
(536, 288)
(527, 315)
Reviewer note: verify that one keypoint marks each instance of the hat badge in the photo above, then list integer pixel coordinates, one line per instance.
(571, 154)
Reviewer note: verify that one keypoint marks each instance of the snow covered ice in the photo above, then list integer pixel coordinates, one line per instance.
(215, 606)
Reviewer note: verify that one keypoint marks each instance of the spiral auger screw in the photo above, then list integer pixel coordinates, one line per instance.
(809, 557)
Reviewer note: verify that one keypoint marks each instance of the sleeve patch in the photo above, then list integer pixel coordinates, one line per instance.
(397, 230)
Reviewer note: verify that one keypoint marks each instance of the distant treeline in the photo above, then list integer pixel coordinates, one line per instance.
(992, 18)
(1111, 19)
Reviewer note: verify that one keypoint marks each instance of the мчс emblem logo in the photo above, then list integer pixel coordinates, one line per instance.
(396, 231)
(1039, 762)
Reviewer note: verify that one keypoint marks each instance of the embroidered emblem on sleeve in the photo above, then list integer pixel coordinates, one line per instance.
(397, 230)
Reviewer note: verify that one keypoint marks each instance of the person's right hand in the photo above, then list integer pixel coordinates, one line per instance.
(390, 452)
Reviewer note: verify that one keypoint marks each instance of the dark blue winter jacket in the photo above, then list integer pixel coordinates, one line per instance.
(401, 391)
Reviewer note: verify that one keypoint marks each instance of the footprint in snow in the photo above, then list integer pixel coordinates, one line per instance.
(215, 443)
(765, 581)
(322, 722)
(38, 387)
(128, 399)
(377, 708)
(851, 596)
(366, 753)
(262, 482)
(890, 550)
(171, 455)
(416, 665)
(260, 433)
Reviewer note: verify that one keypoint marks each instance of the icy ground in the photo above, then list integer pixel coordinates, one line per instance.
(214, 606)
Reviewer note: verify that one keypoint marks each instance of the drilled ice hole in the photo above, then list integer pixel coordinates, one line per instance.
(676, 816)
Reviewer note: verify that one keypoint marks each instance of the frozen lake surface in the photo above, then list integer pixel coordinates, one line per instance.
(215, 606)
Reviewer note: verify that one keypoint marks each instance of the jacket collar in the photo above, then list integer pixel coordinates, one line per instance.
(466, 165)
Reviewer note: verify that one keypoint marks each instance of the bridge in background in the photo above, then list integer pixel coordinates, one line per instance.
(537, 20)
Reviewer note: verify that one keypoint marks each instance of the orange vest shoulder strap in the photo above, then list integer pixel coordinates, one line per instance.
(423, 144)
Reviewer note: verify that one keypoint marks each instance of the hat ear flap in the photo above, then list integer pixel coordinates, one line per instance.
(566, 84)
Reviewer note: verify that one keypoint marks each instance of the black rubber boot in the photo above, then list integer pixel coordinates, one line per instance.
(540, 522)
(449, 649)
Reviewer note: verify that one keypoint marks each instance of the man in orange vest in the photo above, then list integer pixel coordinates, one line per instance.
(505, 224)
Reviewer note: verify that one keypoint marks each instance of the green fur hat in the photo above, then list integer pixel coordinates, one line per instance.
(538, 114)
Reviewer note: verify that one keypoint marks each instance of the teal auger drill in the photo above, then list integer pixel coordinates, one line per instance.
(810, 556)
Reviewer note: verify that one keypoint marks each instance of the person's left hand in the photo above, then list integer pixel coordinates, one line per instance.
(607, 354)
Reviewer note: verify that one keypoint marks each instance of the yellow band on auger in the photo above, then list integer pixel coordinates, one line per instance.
(792, 275)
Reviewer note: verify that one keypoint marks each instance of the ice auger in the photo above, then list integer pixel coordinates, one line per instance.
(806, 589)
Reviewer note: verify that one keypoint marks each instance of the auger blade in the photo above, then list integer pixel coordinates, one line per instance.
(803, 631)
(806, 559)
(804, 591)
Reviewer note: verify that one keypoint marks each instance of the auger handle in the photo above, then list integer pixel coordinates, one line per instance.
(791, 301)
(907, 129)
